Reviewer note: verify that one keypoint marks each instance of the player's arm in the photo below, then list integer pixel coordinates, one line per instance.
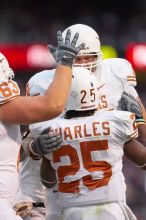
(37, 148)
(136, 152)
(143, 107)
(40, 146)
(47, 174)
(131, 104)
(142, 134)
(26, 110)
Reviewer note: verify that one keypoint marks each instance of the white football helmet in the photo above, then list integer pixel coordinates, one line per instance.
(83, 94)
(39, 83)
(88, 36)
(6, 72)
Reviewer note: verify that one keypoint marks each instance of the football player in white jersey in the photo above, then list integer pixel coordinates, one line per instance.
(31, 188)
(16, 109)
(114, 75)
(91, 184)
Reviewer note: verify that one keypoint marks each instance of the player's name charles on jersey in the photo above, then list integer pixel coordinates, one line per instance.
(83, 131)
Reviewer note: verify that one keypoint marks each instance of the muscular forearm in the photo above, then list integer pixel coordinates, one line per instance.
(27, 110)
(136, 152)
(142, 134)
(60, 88)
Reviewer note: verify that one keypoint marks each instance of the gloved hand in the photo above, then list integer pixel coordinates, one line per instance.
(46, 142)
(53, 51)
(66, 51)
(129, 103)
(23, 208)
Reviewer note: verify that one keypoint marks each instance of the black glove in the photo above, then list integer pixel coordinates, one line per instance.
(130, 104)
(53, 51)
(66, 51)
(46, 142)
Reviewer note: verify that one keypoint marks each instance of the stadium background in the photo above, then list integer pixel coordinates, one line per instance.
(120, 25)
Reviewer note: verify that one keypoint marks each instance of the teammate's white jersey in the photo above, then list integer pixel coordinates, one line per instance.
(89, 162)
(10, 140)
(29, 178)
(38, 84)
(116, 76)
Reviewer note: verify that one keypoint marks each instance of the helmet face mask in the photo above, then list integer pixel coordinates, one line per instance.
(5, 71)
(92, 61)
(92, 45)
(83, 94)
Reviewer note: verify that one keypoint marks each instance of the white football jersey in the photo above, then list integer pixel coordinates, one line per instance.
(89, 162)
(38, 84)
(116, 76)
(10, 140)
(29, 179)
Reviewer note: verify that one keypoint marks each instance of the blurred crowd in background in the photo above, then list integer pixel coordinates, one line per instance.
(117, 23)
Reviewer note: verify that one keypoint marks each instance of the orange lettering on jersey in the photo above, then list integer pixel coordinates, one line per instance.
(15, 88)
(67, 133)
(93, 166)
(8, 89)
(103, 101)
(95, 130)
(99, 107)
(77, 131)
(58, 131)
(85, 132)
(5, 90)
(69, 169)
(106, 128)
(81, 131)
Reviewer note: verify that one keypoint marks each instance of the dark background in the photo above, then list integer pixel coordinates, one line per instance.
(117, 23)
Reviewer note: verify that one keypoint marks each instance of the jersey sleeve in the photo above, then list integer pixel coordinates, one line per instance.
(123, 69)
(126, 128)
(8, 91)
(132, 91)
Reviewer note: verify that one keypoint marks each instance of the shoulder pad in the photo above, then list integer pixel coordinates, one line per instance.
(122, 69)
(8, 90)
(38, 84)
